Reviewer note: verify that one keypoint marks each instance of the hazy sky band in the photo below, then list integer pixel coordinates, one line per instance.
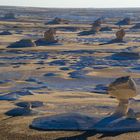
(73, 3)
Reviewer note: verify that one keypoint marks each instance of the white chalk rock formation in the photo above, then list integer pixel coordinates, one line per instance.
(120, 35)
(48, 38)
(49, 35)
(96, 26)
(123, 89)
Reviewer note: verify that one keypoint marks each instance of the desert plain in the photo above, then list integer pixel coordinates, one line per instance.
(70, 76)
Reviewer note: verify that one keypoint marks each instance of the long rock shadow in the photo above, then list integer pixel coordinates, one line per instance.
(112, 125)
(113, 41)
(107, 120)
(91, 133)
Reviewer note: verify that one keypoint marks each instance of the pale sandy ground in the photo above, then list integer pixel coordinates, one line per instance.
(61, 101)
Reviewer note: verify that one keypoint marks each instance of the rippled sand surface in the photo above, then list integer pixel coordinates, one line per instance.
(71, 76)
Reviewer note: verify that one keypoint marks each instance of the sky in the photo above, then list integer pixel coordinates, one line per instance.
(72, 3)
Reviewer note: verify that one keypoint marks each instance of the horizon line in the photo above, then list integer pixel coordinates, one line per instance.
(24, 6)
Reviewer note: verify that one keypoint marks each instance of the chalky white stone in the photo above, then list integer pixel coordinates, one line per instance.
(120, 34)
(123, 89)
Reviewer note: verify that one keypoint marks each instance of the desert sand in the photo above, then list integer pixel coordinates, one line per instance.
(71, 75)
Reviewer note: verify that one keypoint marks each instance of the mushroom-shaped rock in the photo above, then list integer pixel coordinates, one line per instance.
(23, 43)
(49, 38)
(93, 30)
(49, 35)
(96, 27)
(123, 89)
(120, 35)
(125, 21)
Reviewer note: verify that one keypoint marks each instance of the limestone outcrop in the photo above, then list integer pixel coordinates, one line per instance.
(123, 89)
(120, 34)
(96, 27)
(48, 38)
